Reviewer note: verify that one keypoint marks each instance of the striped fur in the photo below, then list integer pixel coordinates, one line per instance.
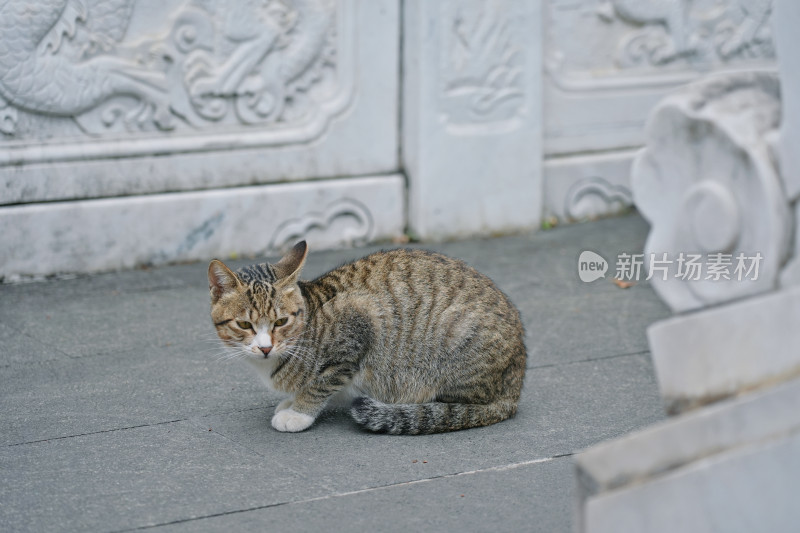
(423, 342)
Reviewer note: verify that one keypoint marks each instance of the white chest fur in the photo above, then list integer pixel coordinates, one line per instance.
(264, 368)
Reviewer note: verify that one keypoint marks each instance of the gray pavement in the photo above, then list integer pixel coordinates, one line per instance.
(116, 415)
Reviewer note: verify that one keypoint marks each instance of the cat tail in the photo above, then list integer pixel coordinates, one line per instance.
(424, 418)
(437, 417)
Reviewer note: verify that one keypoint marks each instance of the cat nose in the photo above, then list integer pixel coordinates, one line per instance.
(265, 349)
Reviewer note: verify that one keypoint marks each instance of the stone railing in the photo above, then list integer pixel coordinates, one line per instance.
(135, 132)
(719, 182)
(140, 133)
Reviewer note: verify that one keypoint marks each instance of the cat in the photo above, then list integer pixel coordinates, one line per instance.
(419, 342)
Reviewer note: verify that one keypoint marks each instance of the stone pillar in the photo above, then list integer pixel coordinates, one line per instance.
(787, 20)
(717, 179)
(787, 16)
(471, 116)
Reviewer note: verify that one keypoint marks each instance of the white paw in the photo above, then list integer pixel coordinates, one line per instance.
(291, 420)
(285, 404)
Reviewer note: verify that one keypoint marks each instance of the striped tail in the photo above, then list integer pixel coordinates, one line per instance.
(424, 418)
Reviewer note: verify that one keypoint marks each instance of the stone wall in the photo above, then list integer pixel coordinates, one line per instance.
(608, 63)
(465, 117)
(137, 132)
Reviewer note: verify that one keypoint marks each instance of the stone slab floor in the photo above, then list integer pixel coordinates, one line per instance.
(118, 416)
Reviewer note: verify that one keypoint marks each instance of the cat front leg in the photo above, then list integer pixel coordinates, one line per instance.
(344, 350)
(299, 413)
(285, 404)
(309, 402)
(303, 410)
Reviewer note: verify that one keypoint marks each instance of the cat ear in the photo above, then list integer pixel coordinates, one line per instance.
(220, 279)
(289, 267)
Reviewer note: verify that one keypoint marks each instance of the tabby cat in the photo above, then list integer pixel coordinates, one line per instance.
(417, 341)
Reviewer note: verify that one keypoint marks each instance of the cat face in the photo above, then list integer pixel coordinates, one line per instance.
(259, 310)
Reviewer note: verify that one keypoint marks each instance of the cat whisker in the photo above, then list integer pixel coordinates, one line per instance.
(300, 349)
(214, 350)
(231, 354)
(294, 353)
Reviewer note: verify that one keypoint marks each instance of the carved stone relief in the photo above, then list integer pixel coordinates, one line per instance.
(347, 221)
(621, 39)
(122, 68)
(595, 196)
(472, 116)
(482, 59)
(675, 29)
(609, 62)
(200, 121)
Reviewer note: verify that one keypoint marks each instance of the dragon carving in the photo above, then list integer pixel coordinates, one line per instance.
(235, 60)
(675, 17)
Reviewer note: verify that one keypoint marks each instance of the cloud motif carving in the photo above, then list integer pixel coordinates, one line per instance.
(345, 222)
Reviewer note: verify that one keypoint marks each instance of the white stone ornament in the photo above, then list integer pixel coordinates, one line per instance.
(708, 185)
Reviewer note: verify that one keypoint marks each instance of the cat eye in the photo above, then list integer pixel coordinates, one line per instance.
(281, 322)
(244, 324)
